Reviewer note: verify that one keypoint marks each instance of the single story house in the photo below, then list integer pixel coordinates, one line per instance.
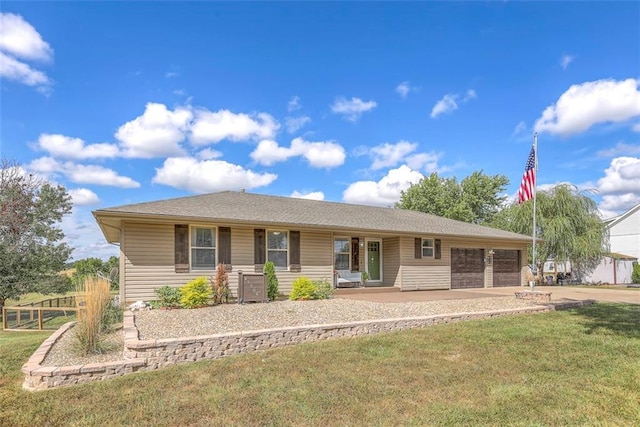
(169, 242)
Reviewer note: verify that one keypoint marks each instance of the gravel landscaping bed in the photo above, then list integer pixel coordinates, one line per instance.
(155, 324)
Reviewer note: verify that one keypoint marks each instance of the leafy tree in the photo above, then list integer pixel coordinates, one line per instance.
(568, 225)
(475, 199)
(96, 267)
(635, 274)
(31, 251)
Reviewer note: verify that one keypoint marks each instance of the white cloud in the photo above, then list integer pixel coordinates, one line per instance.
(614, 204)
(171, 74)
(62, 146)
(156, 133)
(81, 174)
(446, 105)
(636, 127)
(208, 154)
(449, 103)
(585, 105)
(83, 197)
(322, 154)
(426, 161)
(352, 109)
(314, 195)
(294, 104)
(620, 149)
(404, 89)
(520, 128)
(294, 124)
(386, 155)
(565, 60)
(622, 176)
(20, 39)
(212, 127)
(13, 69)
(385, 192)
(187, 173)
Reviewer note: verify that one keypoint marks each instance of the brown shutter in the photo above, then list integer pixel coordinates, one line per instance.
(418, 248)
(438, 248)
(294, 254)
(224, 247)
(181, 232)
(355, 254)
(259, 247)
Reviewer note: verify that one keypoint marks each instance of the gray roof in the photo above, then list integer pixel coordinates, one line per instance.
(241, 207)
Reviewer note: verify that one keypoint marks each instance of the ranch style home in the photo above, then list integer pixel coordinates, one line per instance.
(170, 242)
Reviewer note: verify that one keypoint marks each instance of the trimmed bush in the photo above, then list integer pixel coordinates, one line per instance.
(635, 275)
(272, 281)
(195, 294)
(302, 288)
(168, 297)
(324, 289)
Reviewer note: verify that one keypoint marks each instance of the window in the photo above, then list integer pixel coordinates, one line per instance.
(278, 249)
(203, 248)
(427, 248)
(341, 253)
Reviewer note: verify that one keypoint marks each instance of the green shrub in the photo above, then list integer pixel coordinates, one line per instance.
(635, 275)
(302, 288)
(324, 289)
(195, 294)
(168, 297)
(220, 285)
(272, 281)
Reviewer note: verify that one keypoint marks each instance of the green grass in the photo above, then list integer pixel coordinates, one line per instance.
(577, 367)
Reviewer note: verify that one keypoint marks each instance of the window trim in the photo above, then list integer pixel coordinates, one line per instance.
(348, 240)
(266, 244)
(214, 248)
(433, 248)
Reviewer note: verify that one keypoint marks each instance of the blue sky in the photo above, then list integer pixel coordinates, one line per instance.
(128, 102)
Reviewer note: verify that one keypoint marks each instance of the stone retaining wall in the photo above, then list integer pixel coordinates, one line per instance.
(147, 355)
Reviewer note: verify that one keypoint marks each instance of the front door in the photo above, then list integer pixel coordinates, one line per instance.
(373, 261)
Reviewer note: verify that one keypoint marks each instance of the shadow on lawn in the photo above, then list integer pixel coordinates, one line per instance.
(621, 319)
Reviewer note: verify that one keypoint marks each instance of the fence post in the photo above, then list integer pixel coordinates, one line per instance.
(40, 318)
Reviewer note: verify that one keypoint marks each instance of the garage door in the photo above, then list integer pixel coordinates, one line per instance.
(506, 268)
(467, 268)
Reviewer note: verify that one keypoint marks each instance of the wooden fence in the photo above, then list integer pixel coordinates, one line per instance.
(24, 317)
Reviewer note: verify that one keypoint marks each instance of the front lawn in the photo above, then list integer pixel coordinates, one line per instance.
(577, 367)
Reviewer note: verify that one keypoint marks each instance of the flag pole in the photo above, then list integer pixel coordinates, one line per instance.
(535, 174)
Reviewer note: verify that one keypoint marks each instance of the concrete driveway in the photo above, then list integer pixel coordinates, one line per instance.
(557, 293)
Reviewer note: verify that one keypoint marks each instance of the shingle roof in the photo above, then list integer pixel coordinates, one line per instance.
(231, 206)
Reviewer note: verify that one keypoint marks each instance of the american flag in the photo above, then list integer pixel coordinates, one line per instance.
(528, 185)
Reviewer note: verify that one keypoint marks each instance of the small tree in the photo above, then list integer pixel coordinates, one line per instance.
(272, 281)
(220, 285)
(635, 275)
(31, 249)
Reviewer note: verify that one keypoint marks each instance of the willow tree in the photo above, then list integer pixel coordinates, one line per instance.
(569, 227)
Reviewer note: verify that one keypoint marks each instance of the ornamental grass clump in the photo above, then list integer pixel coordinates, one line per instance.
(93, 304)
(195, 294)
(220, 286)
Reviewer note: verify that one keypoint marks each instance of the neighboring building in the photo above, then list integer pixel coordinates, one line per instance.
(614, 269)
(170, 242)
(624, 233)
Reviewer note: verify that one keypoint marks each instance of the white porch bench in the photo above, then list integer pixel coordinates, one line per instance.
(348, 278)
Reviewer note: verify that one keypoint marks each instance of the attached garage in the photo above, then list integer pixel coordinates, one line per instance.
(467, 268)
(506, 268)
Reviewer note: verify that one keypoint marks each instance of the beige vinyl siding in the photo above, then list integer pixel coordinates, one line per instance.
(148, 254)
(424, 273)
(391, 261)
